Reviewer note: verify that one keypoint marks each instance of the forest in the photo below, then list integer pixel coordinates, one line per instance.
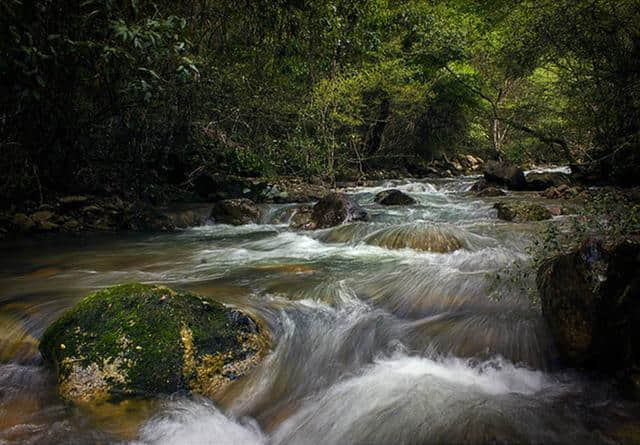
(139, 94)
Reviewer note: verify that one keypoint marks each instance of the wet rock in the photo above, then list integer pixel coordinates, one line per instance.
(143, 340)
(480, 184)
(542, 181)
(591, 300)
(418, 236)
(235, 212)
(521, 212)
(302, 218)
(335, 209)
(505, 174)
(394, 197)
(490, 191)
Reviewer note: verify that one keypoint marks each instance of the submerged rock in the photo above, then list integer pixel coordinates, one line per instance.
(591, 300)
(505, 174)
(394, 197)
(142, 340)
(416, 236)
(235, 212)
(521, 212)
(291, 190)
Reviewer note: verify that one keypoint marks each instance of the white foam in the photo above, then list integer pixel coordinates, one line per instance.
(562, 169)
(192, 423)
(413, 397)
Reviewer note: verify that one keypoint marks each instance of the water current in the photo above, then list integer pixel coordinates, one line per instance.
(384, 333)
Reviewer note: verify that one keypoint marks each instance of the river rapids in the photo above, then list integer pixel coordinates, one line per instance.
(385, 332)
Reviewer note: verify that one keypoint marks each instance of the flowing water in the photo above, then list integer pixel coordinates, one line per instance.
(384, 333)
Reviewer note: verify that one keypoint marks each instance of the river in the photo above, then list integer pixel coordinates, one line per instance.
(373, 344)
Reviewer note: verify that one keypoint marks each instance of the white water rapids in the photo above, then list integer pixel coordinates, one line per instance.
(377, 340)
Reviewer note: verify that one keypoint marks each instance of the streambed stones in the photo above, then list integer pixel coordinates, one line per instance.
(393, 197)
(143, 340)
(521, 211)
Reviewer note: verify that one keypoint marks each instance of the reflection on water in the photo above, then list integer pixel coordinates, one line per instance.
(384, 333)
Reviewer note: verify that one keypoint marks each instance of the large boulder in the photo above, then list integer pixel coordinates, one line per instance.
(393, 197)
(332, 210)
(591, 301)
(335, 209)
(521, 211)
(544, 180)
(505, 174)
(235, 212)
(143, 340)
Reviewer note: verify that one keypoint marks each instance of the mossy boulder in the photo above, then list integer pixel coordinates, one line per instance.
(143, 340)
(590, 299)
(335, 209)
(521, 212)
(393, 197)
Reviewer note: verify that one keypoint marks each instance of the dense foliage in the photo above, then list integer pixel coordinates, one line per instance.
(116, 96)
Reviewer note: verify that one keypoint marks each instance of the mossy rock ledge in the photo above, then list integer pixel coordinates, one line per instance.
(138, 340)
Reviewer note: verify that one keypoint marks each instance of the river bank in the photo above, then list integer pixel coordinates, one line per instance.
(171, 208)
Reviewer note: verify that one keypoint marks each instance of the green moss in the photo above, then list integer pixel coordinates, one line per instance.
(139, 326)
